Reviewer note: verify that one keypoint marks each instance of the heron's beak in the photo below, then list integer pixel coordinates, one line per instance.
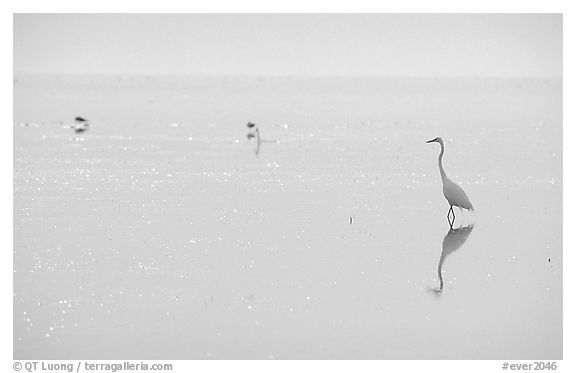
(433, 140)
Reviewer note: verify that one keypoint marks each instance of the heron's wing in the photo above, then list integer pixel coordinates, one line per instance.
(456, 195)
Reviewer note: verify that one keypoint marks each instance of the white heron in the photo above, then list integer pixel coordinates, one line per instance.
(452, 191)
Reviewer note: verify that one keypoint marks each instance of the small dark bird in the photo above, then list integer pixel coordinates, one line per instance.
(253, 132)
(80, 124)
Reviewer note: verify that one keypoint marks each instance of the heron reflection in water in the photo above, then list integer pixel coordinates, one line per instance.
(454, 239)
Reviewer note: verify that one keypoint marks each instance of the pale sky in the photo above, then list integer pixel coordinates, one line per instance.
(284, 44)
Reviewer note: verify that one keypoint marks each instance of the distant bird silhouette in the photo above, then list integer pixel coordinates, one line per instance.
(80, 125)
(252, 126)
(452, 191)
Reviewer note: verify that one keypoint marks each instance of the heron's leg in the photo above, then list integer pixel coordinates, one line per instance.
(451, 221)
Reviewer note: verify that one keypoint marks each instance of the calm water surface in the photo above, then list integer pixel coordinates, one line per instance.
(158, 234)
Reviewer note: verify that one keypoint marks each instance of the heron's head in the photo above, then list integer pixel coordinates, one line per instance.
(437, 139)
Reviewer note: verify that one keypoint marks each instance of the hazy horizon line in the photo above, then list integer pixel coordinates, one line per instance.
(327, 76)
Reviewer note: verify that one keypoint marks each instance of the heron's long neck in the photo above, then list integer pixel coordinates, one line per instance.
(442, 173)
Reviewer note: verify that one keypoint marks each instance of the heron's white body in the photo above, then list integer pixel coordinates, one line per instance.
(455, 195)
(452, 191)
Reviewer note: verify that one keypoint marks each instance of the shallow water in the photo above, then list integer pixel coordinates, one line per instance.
(158, 234)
